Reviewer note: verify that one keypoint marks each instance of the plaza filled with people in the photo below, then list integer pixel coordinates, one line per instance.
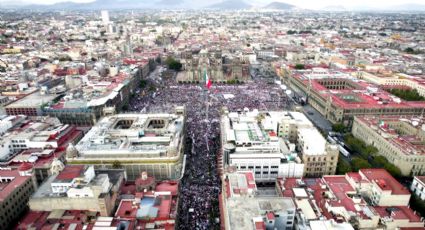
(201, 185)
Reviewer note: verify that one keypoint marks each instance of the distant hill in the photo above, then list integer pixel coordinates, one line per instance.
(196, 4)
(279, 6)
(230, 5)
(96, 5)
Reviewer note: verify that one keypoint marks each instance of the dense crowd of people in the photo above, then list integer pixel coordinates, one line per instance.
(201, 185)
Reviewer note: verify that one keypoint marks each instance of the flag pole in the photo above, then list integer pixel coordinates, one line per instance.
(207, 108)
(207, 96)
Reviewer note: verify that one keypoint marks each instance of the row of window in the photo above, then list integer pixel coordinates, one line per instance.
(19, 146)
(318, 158)
(18, 203)
(18, 141)
(320, 169)
(271, 172)
(387, 148)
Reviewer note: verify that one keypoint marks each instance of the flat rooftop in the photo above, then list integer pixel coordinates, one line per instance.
(242, 210)
(67, 219)
(388, 127)
(257, 130)
(136, 135)
(97, 91)
(11, 180)
(329, 225)
(241, 183)
(362, 95)
(32, 100)
(150, 206)
(45, 189)
(340, 187)
(385, 181)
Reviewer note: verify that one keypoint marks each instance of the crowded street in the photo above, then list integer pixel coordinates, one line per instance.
(201, 185)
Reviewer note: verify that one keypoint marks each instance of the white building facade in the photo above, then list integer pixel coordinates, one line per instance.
(251, 143)
(418, 187)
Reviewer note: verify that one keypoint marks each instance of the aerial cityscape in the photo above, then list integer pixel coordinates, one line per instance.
(221, 114)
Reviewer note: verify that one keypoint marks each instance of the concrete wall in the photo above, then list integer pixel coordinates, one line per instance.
(394, 200)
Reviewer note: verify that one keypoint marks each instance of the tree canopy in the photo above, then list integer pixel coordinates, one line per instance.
(368, 156)
(299, 66)
(360, 163)
(173, 64)
(339, 127)
(407, 94)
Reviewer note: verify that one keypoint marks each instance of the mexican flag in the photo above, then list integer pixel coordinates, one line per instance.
(207, 80)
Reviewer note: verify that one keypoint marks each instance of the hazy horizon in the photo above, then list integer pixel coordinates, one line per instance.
(307, 4)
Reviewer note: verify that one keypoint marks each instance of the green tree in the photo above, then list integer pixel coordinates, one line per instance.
(354, 144)
(231, 82)
(379, 161)
(173, 64)
(409, 50)
(299, 66)
(417, 204)
(143, 83)
(370, 150)
(169, 60)
(159, 40)
(65, 58)
(393, 170)
(177, 66)
(152, 88)
(343, 167)
(339, 127)
(360, 163)
(369, 153)
(407, 94)
(116, 165)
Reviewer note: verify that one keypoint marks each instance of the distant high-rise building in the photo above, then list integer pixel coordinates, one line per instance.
(105, 16)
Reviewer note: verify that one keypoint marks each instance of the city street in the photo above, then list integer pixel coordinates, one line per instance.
(318, 120)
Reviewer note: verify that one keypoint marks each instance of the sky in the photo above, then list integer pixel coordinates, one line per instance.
(309, 4)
